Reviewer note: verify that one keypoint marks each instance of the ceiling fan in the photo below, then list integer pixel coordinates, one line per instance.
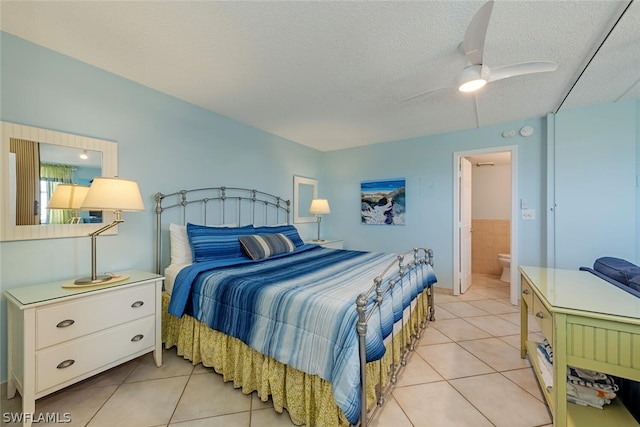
(477, 74)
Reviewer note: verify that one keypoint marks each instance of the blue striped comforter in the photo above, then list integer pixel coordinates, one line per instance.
(299, 308)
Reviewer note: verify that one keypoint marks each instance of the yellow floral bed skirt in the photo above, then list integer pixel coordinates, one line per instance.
(308, 398)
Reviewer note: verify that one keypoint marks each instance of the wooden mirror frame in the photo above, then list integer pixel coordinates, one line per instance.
(301, 213)
(10, 231)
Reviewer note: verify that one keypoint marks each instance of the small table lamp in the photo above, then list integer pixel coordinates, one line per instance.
(109, 194)
(70, 197)
(318, 208)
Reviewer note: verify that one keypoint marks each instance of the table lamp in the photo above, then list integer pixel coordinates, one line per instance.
(318, 208)
(70, 197)
(109, 194)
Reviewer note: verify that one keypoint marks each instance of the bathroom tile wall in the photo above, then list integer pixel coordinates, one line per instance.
(490, 237)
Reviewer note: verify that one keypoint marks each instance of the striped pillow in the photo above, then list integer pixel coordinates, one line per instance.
(266, 245)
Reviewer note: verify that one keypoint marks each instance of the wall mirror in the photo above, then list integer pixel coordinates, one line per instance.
(304, 191)
(33, 162)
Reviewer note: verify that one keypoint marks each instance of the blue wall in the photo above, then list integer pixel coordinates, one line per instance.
(163, 143)
(427, 165)
(595, 175)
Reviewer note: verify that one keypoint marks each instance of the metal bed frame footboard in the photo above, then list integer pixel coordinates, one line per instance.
(243, 206)
(393, 275)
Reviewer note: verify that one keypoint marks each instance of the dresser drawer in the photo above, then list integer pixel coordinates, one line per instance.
(65, 321)
(527, 295)
(65, 362)
(543, 318)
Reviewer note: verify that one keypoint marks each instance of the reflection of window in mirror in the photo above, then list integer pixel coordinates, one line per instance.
(38, 168)
(304, 191)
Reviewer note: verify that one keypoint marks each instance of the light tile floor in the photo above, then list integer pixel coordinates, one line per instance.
(466, 371)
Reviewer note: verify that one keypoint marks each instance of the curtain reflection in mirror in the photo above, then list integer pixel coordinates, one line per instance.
(27, 181)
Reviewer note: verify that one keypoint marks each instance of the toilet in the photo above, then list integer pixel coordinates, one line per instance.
(505, 262)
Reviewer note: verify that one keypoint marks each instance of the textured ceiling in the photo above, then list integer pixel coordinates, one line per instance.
(330, 74)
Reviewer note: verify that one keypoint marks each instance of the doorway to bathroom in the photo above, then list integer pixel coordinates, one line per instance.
(485, 223)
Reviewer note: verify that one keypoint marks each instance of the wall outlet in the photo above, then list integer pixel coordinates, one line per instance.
(528, 214)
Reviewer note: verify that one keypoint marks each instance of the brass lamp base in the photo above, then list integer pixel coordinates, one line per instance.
(91, 281)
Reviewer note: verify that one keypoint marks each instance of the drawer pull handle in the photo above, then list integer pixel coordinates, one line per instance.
(525, 291)
(65, 323)
(137, 338)
(540, 315)
(65, 364)
(137, 304)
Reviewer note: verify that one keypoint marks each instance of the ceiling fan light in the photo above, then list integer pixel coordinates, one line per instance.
(472, 85)
(472, 78)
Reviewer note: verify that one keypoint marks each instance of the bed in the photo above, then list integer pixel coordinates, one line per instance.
(317, 330)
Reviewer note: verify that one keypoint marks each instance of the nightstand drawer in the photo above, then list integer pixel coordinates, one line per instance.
(68, 361)
(61, 322)
(543, 318)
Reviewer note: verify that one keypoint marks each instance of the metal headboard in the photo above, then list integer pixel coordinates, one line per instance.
(220, 205)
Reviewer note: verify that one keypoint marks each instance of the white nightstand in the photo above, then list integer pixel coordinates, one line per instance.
(58, 336)
(328, 243)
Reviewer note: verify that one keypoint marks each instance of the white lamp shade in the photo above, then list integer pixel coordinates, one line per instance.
(67, 196)
(113, 194)
(319, 207)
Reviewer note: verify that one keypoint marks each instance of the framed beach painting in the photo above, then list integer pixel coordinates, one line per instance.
(383, 202)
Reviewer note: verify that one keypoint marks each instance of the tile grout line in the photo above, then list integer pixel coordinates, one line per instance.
(173, 413)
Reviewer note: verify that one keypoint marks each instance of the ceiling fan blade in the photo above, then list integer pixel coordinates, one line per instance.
(499, 73)
(425, 93)
(474, 37)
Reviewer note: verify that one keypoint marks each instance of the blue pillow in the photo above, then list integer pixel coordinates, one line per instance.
(216, 243)
(288, 230)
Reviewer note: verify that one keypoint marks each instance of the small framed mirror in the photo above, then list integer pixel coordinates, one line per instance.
(304, 191)
(33, 162)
